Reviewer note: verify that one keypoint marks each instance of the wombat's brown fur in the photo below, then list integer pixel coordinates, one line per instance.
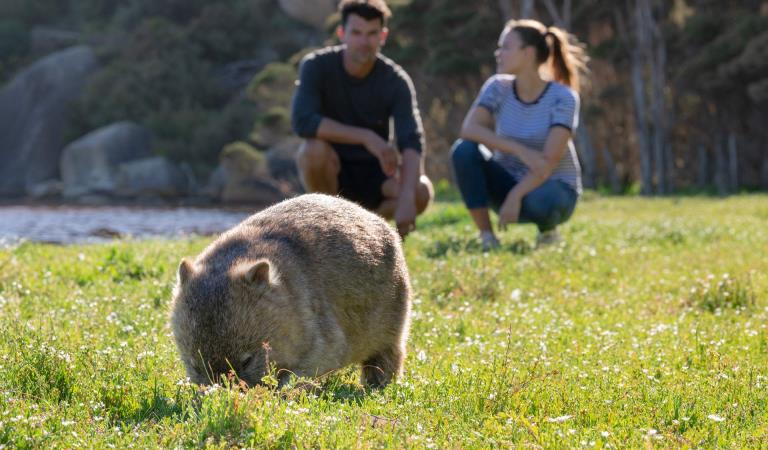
(318, 279)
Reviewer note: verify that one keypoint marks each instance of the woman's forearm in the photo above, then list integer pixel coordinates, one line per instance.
(527, 184)
(486, 136)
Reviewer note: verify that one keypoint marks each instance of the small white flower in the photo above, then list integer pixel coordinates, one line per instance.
(422, 356)
(716, 418)
(516, 294)
(560, 419)
(605, 434)
(67, 423)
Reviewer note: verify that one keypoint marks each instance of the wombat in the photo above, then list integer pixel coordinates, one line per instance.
(310, 285)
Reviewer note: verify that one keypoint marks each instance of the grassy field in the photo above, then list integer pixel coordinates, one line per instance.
(646, 328)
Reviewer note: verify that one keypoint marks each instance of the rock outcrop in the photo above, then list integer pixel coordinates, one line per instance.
(90, 164)
(311, 12)
(34, 108)
(150, 177)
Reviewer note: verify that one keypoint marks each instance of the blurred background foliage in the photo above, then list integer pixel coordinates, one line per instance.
(202, 74)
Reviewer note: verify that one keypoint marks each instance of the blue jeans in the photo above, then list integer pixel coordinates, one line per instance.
(483, 183)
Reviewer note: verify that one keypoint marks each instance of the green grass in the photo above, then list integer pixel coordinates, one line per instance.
(647, 328)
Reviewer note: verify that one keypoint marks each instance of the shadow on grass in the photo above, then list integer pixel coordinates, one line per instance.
(452, 245)
(151, 409)
(343, 392)
(335, 387)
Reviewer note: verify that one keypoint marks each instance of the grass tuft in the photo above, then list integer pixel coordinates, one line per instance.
(714, 293)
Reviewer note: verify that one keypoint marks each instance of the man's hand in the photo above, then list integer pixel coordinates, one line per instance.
(509, 212)
(405, 215)
(387, 155)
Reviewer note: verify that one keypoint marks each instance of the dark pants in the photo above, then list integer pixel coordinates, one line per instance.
(484, 183)
(361, 177)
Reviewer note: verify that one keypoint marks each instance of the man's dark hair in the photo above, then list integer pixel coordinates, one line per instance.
(367, 9)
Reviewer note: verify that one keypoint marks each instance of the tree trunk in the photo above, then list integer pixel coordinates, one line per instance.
(507, 9)
(638, 90)
(702, 180)
(586, 156)
(764, 175)
(721, 167)
(561, 18)
(554, 13)
(656, 58)
(526, 9)
(613, 177)
(733, 163)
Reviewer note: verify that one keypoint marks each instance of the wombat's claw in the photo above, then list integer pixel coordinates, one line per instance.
(375, 377)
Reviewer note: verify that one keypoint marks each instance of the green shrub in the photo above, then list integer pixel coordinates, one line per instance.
(273, 86)
(242, 151)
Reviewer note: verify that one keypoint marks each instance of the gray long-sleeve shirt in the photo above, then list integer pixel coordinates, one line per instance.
(325, 89)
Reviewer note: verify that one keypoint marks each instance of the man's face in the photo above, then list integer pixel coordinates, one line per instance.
(363, 38)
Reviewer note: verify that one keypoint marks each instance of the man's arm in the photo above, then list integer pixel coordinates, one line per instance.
(410, 140)
(306, 107)
(410, 172)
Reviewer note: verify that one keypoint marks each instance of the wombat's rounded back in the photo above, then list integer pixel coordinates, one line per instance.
(340, 247)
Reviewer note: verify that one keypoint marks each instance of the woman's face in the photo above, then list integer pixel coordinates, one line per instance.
(511, 56)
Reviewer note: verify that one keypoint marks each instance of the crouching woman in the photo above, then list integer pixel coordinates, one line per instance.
(532, 173)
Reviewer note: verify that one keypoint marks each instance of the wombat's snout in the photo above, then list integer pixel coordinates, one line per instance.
(244, 370)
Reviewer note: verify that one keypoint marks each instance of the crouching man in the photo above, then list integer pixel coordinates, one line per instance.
(344, 100)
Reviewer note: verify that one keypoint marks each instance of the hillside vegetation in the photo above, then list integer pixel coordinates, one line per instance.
(178, 67)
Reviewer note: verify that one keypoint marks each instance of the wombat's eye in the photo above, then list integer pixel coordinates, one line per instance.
(246, 360)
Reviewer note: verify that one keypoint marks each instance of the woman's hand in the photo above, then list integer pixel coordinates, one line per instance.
(509, 213)
(538, 165)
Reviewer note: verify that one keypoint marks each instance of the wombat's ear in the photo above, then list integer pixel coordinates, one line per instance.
(257, 273)
(185, 270)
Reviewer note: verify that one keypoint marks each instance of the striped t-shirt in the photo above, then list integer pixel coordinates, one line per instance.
(529, 123)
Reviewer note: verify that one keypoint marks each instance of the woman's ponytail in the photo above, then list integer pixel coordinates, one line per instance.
(567, 59)
(563, 55)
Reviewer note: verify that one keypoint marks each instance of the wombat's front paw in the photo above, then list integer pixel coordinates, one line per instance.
(381, 369)
(375, 377)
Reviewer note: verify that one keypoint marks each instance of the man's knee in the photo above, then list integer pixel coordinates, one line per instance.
(314, 154)
(464, 152)
(424, 194)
